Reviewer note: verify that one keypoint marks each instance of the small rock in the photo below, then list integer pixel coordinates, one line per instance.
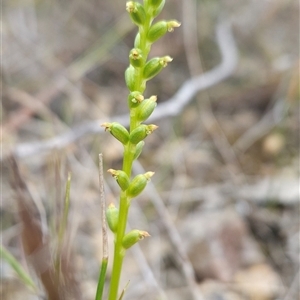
(259, 282)
(273, 144)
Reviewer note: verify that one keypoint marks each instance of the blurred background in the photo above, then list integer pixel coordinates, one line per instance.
(223, 206)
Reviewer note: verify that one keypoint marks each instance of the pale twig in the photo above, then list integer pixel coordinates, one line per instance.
(175, 238)
(171, 107)
(190, 88)
(104, 262)
(103, 208)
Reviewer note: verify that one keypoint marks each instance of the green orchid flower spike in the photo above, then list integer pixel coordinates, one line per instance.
(140, 70)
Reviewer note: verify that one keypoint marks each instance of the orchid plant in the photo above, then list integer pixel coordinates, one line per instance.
(139, 72)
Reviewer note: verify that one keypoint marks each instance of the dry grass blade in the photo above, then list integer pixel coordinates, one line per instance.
(34, 242)
(60, 284)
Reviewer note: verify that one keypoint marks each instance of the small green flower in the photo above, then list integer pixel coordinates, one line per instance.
(133, 237)
(155, 65)
(121, 178)
(136, 57)
(137, 12)
(157, 31)
(112, 216)
(146, 108)
(160, 29)
(118, 131)
(130, 78)
(135, 98)
(141, 132)
(138, 184)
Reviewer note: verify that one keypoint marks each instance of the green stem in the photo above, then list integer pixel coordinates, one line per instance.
(119, 250)
(128, 158)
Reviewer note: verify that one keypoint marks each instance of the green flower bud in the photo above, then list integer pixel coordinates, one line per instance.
(118, 131)
(121, 178)
(160, 29)
(136, 57)
(155, 65)
(146, 108)
(139, 133)
(133, 237)
(112, 216)
(134, 99)
(130, 78)
(157, 31)
(138, 184)
(137, 12)
(138, 149)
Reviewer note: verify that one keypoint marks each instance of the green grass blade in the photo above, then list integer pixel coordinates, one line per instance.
(23, 275)
(101, 281)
